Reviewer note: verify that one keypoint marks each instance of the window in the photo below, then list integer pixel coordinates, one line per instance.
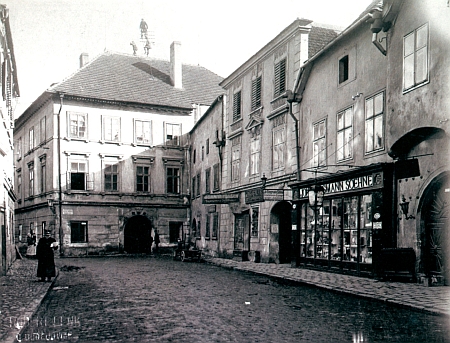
(43, 177)
(194, 156)
(255, 221)
(173, 180)
(111, 129)
(280, 78)
(279, 147)
(78, 176)
(235, 158)
(142, 179)
(254, 154)
(78, 125)
(207, 180)
(193, 187)
(319, 144)
(173, 133)
(203, 153)
(143, 132)
(111, 177)
(237, 106)
(19, 185)
(207, 226)
(256, 93)
(415, 57)
(207, 146)
(31, 138)
(19, 148)
(343, 69)
(31, 179)
(216, 177)
(43, 130)
(78, 232)
(198, 184)
(20, 232)
(345, 134)
(215, 225)
(374, 123)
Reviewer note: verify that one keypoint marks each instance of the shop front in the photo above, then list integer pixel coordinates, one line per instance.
(345, 219)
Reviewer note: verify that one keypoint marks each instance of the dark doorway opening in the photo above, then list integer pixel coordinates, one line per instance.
(137, 235)
(281, 220)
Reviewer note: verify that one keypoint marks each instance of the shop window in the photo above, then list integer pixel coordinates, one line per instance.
(77, 125)
(319, 144)
(415, 58)
(280, 78)
(142, 179)
(255, 222)
(375, 123)
(215, 225)
(207, 226)
(173, 180)
(345, 135)
(237, 106)
(111, 129)
(256, 93)
(142, 132)
(78, 232)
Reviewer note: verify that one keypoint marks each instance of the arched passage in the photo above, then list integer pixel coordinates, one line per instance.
(434, 231)
(281, 226)
(137, 233)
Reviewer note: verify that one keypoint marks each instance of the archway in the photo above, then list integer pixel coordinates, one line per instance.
(434, 231)
(137, 233)
(281, 226)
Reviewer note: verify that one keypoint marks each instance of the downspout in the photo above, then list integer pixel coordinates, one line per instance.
(61, 246)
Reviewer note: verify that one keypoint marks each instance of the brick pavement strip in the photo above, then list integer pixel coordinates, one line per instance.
(21, 294)
(434, 300)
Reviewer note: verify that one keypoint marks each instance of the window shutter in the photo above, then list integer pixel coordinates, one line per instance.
(280, 77)
(256, 93)
(237, 106)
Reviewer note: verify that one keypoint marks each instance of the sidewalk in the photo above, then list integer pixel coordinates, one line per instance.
(434, 300)
(20, 296)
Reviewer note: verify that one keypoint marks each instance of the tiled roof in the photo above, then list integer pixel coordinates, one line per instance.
(142, 80)
(318, 38)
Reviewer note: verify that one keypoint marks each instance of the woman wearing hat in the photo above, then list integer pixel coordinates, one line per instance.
(46, 259)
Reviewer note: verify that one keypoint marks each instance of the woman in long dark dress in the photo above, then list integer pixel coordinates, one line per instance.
(45, 256)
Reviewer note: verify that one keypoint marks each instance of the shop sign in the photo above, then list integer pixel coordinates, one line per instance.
(274, 194)
(357, 183)
(220, 198)
(254, 195)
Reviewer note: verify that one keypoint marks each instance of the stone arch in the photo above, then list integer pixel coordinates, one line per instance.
(281, 232)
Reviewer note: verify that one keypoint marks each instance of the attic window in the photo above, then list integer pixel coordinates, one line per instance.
(343, 69)
(237, 106)
(280, 78)
(256, 93)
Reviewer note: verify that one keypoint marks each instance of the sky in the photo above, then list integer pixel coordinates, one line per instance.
(50, 35)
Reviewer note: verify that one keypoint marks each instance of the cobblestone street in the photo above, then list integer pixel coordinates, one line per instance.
(148, 299)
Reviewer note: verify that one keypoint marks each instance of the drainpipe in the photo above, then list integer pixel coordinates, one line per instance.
(61, 246)
(291, 98)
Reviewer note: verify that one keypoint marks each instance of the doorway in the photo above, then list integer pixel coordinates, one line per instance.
(137, 233)
(281, 230)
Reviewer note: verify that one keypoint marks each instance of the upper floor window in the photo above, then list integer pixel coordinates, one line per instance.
(193, 187)
(207, 146)
(31, 179)
(319, 144)
(31, 138)
(344, 134)
(43, 180)
(198, 184)
(19, 185)
(142, 179)
(347, 66)
(111, 177)
(255, 146)
(216, 177)
(278, 141)
(78, 125)
(256, 93)
(78, 176)
(235, 158)
(43, 129)
(374, 122)
(343, 69)
(415, 57)
(173, 180)
(207, 180)
(173, 133)
(111, 129)
(237, 106)
(19, 148)
(280, 78)
(143, 132)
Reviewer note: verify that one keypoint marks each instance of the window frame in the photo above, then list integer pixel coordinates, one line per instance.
(237, 106)
(113, 165)
(317, 162)
(255, 154)
(77, 135)
(346, 127)
(84, 233)
(173, 180)
(256, 99)
(216, 177)
(109, 121)
(280, 77)
(416, 52)
(175, 140)
(235, 159)
(373, 118)
(144, 176)
(144, 142)
(30, 179)
(31, 139)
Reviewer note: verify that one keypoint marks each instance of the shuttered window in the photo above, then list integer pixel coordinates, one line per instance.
(237, 106)
(280, 77)
(256, 93)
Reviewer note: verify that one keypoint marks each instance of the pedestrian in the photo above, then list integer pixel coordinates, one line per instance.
(150, 243)
(46, 258)
(135, 48)
(144, 27)
(156, 241)
(31, 241)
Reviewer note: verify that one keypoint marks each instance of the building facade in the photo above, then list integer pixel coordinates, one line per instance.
(260, 144)
(104, 159)
(374, 111)
(10, 91)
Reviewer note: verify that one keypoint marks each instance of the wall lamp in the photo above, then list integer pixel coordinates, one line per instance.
(356, 96)
(315, 196)
(404, 205)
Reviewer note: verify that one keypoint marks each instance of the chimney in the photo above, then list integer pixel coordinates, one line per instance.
(84, 59)
(176, 70)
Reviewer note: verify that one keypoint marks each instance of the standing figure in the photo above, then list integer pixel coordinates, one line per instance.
(147, 47)
(133, 44)
(150, 243)
(156, 241)
(144, 27)
(31, 241)
(46, 258)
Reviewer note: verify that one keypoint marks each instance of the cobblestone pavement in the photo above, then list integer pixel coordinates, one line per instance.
(430, 299)
(147, 299)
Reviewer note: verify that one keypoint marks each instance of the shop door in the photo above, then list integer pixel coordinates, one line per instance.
(241, 232)
(435, 235)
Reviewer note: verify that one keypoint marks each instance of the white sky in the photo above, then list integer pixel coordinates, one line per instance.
(50, 35)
